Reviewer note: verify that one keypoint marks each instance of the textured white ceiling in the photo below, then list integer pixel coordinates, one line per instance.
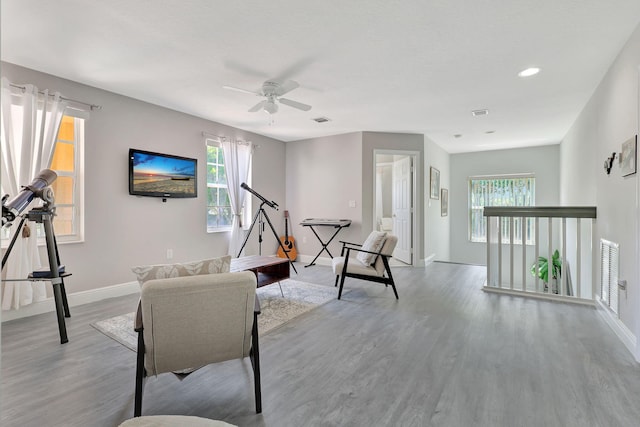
(417, 66)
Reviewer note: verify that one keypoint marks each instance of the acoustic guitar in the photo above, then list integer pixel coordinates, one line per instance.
(287, 242)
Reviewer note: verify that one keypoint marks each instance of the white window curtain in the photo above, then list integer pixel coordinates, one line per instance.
(237, 161)
(29, 126)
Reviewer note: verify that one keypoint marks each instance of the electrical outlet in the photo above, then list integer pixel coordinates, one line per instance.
(169, 253)
(352, 203)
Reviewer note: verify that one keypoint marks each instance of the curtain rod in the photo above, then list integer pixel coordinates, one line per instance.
(64, 98)
(221, 138)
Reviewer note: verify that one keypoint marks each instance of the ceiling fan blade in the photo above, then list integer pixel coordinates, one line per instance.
(237, 89)
(259, 106)
(285, 87)
(295, 104)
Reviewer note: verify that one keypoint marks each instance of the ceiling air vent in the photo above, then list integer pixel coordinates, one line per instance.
(476, 113)
(321, 119)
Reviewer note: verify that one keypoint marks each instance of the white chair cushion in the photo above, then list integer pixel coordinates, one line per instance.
(193, 268)
(355, 266)
(373, 244)
(173, 421)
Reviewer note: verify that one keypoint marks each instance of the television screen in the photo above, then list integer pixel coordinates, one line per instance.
(161, 175)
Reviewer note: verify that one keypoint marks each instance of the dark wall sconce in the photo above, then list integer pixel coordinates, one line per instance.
(608, 163)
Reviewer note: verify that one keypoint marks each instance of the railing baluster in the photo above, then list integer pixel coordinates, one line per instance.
(550, 258)
(537, 253)
(563, 272)
(511, 233)
(499, 251)
(578, 256)
(488, 238)
(523, 239)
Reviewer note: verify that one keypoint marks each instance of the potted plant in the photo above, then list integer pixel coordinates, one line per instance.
(543, 265)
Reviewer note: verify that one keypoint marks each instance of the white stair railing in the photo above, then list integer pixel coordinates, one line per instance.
(521, 252)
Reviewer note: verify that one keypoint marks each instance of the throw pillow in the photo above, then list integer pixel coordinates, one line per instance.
(193, 268)
(374, 243)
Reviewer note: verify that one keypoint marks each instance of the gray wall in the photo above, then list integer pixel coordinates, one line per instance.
(323, 175)
(542, 161)
(122, 230)
(609, 118)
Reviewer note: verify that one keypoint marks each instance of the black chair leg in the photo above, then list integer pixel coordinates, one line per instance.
(341, 286)
(140, 374)
(337, 277)
(393, 286)
(255, 362)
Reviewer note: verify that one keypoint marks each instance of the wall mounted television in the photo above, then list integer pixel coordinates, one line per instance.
(162, 175)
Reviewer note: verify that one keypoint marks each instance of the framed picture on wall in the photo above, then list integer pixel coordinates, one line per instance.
(627, 159)
(435, 183)
(444, 202)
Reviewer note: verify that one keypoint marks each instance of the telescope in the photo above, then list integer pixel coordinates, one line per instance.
(272, 205)
(37, 188)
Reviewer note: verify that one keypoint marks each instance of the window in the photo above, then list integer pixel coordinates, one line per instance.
(219, 213)
(507, 190)
(67, 163)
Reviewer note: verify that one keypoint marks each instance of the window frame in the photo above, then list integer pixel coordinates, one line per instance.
(77, 234)
(530, 239)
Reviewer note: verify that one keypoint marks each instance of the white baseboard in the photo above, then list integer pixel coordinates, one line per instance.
(620, 329)
(74, 299)
(428, 260)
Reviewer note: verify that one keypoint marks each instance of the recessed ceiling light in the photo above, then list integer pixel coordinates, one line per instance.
(490, 131)
(476, 113)
(321, 119)
(457, 135)
(529, 72)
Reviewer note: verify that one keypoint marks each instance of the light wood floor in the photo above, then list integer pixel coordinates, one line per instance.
(445, 354)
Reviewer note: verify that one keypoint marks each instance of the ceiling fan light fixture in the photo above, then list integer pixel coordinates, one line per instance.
(270, 107)
(532, 71)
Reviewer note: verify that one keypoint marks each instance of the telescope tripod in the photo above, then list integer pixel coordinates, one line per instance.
(55, 274)
(258, 218)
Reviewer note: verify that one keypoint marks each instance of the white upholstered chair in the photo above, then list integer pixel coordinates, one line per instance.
(367, 261)
(192, 321)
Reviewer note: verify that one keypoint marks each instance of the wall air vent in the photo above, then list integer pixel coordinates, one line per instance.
(321, 119)
(477, 113)
(609, 263)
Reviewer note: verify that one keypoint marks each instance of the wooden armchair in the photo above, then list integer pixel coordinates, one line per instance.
(193, 321)
(371, 262)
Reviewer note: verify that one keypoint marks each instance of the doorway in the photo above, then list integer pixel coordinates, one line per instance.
(394, 199)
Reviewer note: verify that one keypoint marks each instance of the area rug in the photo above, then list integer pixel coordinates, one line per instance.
(276, 309)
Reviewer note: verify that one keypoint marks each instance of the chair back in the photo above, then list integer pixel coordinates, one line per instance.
(389, 245)
(193, 321)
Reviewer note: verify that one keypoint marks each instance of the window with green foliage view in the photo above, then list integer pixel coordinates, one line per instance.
(219, 214)
(508, 190)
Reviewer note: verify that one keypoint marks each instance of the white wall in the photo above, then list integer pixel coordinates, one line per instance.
(437, 227)
(122, 231)
(610, 118)
(542, 161)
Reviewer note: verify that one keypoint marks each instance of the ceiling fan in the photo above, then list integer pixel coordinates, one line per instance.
(272, 90)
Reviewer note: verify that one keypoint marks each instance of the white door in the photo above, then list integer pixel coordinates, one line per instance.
(401, 208)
